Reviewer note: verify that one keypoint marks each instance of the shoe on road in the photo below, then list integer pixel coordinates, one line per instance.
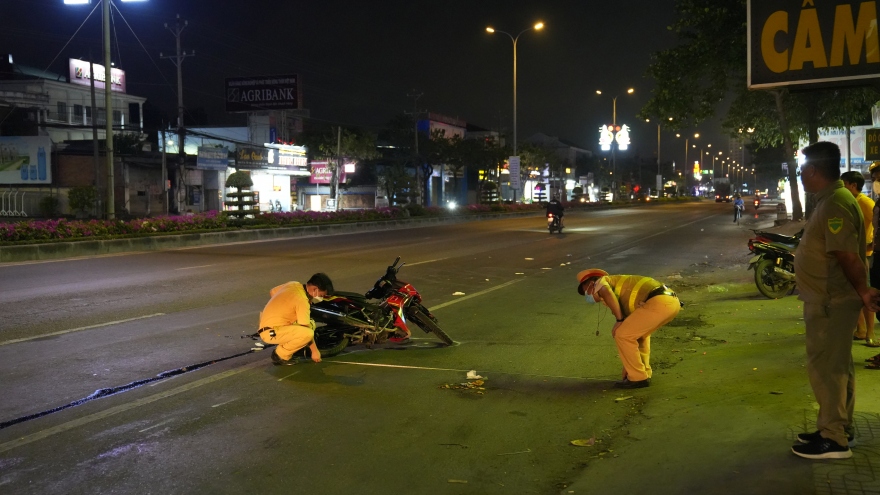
(626, 383)
(815, 437)
(277, 361)
(822, 449)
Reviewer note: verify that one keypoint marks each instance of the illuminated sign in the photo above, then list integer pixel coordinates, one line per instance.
(24, 160)
(283, 159)
(80, 73)
(606, 137)
(210, 158)
(608, 134)
(322, 173)
(253, 94)
(623, 137)
(811, 42)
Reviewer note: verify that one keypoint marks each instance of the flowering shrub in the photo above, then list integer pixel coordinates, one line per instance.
(31, 231)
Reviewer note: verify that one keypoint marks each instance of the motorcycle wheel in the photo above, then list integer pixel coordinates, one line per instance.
(768, 283)
(330, 341)
(425, 322)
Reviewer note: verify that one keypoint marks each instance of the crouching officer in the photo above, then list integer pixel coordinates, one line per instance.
(286, 321)
(640, 305)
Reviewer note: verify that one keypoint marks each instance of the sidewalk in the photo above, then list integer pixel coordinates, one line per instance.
(729, 395)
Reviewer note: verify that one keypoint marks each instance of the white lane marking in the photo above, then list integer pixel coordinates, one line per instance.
(487, 372)
(475, 294)
(62, 332)
(224, 403)
(48, 432)
(379, 365)
(288, 376)
(192, 267)
(156, 425)
(423, 262)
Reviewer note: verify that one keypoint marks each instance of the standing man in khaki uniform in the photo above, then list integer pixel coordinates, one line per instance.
(832, 279)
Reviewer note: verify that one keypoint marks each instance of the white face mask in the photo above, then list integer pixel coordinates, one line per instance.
(316, 300)
(876, 187)
(589, 298)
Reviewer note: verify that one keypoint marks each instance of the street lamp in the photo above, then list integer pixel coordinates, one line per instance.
(614, 126)
(686, 149)
(537, 27)
(108, 102)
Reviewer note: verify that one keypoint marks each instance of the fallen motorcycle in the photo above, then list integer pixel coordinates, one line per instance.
(773, 262)
(372, 318)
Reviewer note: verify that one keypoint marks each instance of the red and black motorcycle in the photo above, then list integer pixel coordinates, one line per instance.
(383, 313)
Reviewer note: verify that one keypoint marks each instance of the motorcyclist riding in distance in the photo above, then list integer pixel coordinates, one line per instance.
(555, 207)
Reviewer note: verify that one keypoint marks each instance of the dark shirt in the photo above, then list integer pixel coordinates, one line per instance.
(555, 207)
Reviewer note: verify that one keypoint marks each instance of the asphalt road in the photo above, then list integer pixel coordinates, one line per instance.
(370, 420)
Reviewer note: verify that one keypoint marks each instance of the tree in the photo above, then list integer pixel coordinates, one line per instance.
(336, 144)
(710, 64)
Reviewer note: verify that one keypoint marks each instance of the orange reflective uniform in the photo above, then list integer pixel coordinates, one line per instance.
(642, 317)
(287, 315)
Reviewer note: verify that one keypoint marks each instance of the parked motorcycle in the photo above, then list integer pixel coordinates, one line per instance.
(372, 318)
(554, 223)
(773, 262)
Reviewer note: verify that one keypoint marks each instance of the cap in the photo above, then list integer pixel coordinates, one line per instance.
(583, 275)
(874, 166)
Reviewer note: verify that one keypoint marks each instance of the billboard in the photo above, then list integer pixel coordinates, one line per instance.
(322, 173)
(254, 94)
(80, 73)
(790, 43)
(283, 159)
(25, 160)
(210, 158)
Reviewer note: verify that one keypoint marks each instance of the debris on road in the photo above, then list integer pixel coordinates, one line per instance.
(621, 399)
(458, 293)
(584, 442)
(775, 392)
(514, 453)
(472, 375)
(476, 386)
(464, 482)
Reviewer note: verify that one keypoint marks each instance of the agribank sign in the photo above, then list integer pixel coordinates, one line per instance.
(254, 94)
(811, 42)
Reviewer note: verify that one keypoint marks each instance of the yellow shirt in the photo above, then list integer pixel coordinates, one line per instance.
(866, 204)
(630, 290)
(289, 304)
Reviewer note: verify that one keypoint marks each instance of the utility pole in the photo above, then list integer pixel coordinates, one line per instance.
(177, 60)
(423, 190)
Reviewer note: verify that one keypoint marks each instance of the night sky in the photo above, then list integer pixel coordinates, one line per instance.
(358, 61)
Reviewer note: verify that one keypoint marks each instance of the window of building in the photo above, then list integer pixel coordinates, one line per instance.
(78, 112)
(62, 110)
(117, 116)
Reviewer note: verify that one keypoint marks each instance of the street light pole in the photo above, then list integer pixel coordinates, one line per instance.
(614, 127)
(108, 114)
(537, 27)
(108, 101)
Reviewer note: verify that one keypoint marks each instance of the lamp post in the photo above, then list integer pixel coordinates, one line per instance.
(537, 27)
(614, 126)
(108, 100)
